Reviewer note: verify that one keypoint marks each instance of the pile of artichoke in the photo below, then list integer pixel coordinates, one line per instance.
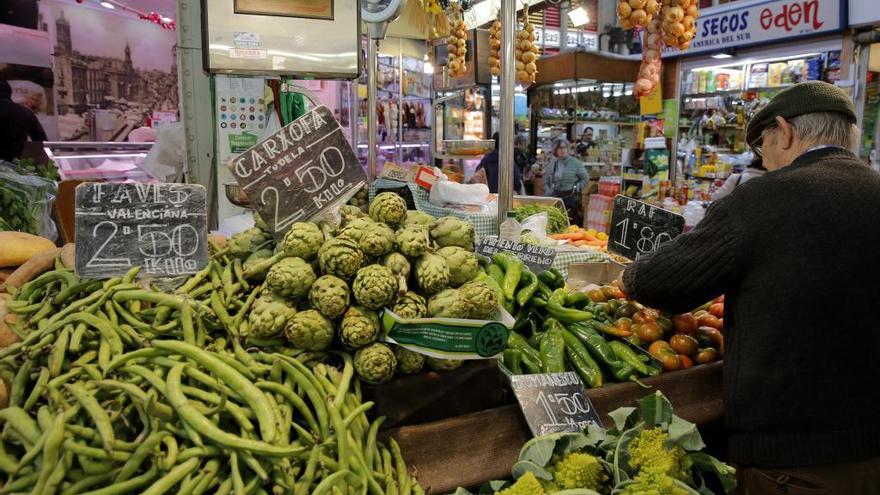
(325, 287)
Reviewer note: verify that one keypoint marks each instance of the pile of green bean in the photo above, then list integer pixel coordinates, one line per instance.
(118, 389)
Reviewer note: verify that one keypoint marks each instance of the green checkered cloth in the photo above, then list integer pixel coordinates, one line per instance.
(565, 258)
(484, 225)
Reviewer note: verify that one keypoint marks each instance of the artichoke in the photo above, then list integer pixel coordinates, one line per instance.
(349, 212)
(374, 286)
(413, 241)
(432, 273)
(482, 298)
(437, 364)
(416, 217)
(359, 327)
(452, 231)
(410, 306)
(398, 264)
(377, 240)
(242, 244)
(291, 278)
(340, 257)
(388, 207)
(463, 264)
(303, 240)
(254, 265)
(309, 330)
(449, 303)
(375, 363)
(355, 229)
(329, 295)
(408, 362)
(268, 316)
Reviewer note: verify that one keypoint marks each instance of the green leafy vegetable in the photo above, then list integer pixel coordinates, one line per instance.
(557, 218)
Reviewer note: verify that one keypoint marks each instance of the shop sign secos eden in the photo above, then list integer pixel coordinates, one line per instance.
(762, 22)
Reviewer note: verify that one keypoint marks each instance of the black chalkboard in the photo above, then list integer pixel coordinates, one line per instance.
(554, 402)
(638, 228)
(162, 228)
(537, 258)
(303, 169)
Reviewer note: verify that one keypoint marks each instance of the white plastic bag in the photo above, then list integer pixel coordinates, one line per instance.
(167, 157)
(447, 192)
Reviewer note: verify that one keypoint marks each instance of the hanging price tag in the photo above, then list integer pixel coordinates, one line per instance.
(300, 171)
(638, 228)
(554, 402)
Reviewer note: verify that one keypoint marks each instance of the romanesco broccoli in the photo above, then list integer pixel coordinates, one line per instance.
(649, 452)
(527, 484)
(579, 470)
(652, 482)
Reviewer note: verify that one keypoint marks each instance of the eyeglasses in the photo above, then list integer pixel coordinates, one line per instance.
(758, 148)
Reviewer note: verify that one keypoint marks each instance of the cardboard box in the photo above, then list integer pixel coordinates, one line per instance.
(584, 275)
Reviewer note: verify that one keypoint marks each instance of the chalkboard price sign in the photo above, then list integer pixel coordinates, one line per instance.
(537, 258)
(303, 169)
(554, 402)
(163, 228)
(638, 228)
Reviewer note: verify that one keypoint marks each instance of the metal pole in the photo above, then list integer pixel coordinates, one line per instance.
(372, 117)
(505, 120)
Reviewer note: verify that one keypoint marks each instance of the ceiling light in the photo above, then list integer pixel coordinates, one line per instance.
(108, 5)
(428, 68)
(723, 54)
(579, 16)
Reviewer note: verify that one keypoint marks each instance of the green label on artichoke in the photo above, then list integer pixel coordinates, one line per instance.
(449, 338)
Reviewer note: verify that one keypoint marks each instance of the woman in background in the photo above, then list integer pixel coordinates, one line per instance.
(565, 178)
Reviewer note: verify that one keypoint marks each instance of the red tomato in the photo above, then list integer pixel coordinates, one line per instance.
(685, 361)
(685, 323)
(720, 298)
(644, 316)
(708, 320)
(717, 310)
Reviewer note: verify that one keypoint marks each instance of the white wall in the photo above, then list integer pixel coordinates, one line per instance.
(864, 12)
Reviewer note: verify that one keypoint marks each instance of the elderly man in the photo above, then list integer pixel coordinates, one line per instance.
(786, 249)
(17, 123)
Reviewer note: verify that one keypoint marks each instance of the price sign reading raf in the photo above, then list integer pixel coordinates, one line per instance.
(303, 169)
(638, 228)
(163, 228)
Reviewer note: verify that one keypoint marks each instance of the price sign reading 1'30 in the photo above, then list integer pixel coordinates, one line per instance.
(301, 170)
(638, 228)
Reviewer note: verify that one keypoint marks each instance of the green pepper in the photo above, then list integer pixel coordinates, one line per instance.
(558, 297)
(628, 356)
(559, 279)
(567, 315)
(531, 285)
(513, 269)
(531, 358)
(496, 273)
(522, 319)
(585, 366)
(553, 349)
(543, 290)
(577, 300)
(548, 278)
(597, 345)
(512, 360)
(493, 284)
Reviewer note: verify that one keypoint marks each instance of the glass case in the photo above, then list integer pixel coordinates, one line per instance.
(100, 161)
(462, 115)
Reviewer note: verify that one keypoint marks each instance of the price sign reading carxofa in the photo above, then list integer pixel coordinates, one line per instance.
(638, 228)
(301, 170)
(162, 228)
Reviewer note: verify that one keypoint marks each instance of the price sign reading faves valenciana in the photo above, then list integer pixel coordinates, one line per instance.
(300, 171)
(162, 228)
(554, 402)
(638, 228)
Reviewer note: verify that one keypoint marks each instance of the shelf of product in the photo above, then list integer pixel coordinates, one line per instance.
(716, 101)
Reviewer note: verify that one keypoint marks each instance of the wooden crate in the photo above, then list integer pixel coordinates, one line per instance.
(474, 448)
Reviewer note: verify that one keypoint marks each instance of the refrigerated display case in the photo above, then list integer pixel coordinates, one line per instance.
(111, 161)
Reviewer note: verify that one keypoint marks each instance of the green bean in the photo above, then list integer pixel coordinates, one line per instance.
(237, 482)
(19, 384)
(111, 314)
(174, 476)
(51, 451)
(220, 311)
(360, 465)
(247, 390)
(238, 413)
(327, 483)
(342, 449)
(209, 474)
(252, 462)
(361, 409)
(19, 420)
(206, 451)
(140, 454)
(88, 482)
(200, 377)
(85, 358)
(194, 281)
(158, 409)
(76, 338)
(403, 478)
(294, 399)
(225, 487)
(42, 312)
(235, 364)
(31, 453)
(371, 442)
(130, 318)
(315, 397)
(131, 485)
(140, 354)
(97, 413)
(19, 484)
(8, 464)
(171, 458)
(56, 358)
(204, 426)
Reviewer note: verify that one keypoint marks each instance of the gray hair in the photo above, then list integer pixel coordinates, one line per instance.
(560, 143)
(826, 128)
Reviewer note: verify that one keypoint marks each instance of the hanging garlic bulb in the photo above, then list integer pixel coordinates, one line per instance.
(495, 47)
(456, 44)
(526, 51)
